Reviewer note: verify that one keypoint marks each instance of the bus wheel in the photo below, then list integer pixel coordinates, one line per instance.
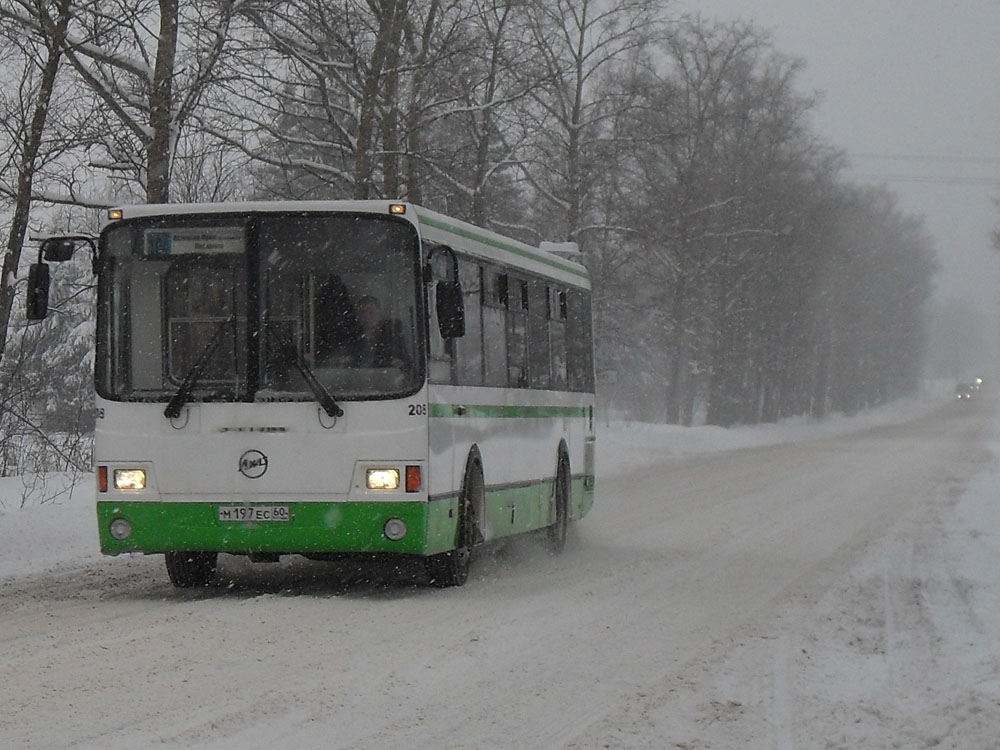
(190, 569)
(555, 535)
(451, 568)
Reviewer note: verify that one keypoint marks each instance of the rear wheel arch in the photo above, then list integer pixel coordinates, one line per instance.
(562, 490)
(474, 472)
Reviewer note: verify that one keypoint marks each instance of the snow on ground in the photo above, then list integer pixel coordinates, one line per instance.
(46, 523)
(899, 653)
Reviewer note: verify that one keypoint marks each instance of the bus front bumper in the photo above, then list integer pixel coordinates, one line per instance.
(288, 528)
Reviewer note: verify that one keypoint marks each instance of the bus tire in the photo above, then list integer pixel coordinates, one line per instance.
(191, 569)
(555, 535)
(451, 568)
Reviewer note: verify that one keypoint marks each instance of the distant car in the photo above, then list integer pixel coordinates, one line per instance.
(964, 391)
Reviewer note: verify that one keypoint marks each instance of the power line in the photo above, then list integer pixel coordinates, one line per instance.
(987, 181)
(934, 158)
(953, 159)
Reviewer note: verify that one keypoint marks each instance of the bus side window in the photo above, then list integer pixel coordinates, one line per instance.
(538, 336)
(495, 327)
(517, 334)
(581, 354)
(469, 348)
(557, 314)
(441, 357)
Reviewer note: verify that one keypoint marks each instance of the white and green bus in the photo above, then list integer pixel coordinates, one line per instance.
(332, 378)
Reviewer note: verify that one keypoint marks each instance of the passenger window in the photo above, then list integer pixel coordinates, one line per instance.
(557, 313)
(495, 329)
(538, 337)
(469, 348)
(441, 360)
(517, 334)
(581, 356)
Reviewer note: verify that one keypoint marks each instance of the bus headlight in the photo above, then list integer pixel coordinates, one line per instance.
(394, 529)
(120, 529)
(382, 479)
(130, 479)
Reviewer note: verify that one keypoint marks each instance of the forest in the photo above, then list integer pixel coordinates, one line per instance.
(738, 276)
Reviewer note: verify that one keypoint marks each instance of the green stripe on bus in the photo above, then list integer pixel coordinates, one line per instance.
(470, 235)
(506, 412)
(523, 508)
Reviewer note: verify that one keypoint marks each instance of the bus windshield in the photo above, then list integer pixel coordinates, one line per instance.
(259, 307)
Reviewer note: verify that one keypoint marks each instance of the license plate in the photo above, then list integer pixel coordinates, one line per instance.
(254, 513)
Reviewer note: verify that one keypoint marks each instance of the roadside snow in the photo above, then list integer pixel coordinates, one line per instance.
(622, 447)
(46, 523)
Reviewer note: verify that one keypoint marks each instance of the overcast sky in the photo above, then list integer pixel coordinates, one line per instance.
(911, 91)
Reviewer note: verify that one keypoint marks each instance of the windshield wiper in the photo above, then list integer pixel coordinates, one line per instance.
(328, 402)
(180, 398)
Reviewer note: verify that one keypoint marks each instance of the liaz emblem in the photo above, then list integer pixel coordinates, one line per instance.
(253, 464)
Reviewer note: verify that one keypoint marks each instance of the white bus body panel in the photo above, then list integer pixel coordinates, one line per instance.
(309, 456)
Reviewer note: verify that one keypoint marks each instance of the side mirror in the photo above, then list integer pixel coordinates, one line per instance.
(450, 309)
(58, 249)
(38, 291)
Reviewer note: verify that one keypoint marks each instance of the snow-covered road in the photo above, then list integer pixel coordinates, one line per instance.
(825, 593)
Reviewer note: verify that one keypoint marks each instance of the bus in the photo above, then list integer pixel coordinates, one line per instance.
(331, 378)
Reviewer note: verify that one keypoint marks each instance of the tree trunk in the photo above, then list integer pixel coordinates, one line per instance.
(26, 170)
(391, 15)
(478, 212)
(414, 144)
(679, 355)
(160, 147)
(391, 177)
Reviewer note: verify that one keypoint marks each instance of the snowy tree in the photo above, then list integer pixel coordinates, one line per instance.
(582, 41)
(25, 118)
(736, 277)
(478, 129)
(413, 99)
(698, 161)
(149, 64)
(734, 284)
(317, 86)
